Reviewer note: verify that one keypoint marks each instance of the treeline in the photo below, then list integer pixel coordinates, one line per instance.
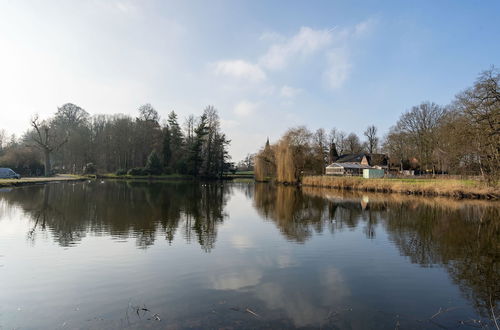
(73, 141)
(460, 138)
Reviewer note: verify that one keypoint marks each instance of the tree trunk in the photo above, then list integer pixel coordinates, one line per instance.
(46, 154)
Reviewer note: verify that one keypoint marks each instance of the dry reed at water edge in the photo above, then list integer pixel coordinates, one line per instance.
(431, 187)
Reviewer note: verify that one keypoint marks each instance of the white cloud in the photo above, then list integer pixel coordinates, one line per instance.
(235, 281)
(338, 68)
(305, 42)
(364, 27)
(241, 242)
(289, 92)
(240, 69)
(245, 108)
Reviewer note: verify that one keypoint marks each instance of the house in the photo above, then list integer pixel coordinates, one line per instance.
(354, 164)
(347, 169)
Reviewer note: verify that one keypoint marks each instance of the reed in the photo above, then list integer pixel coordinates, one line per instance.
(428, 187)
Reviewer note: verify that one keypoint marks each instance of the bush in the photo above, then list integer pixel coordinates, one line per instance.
(138, 171)
(121, 171)
(90, 168)
(23, 160)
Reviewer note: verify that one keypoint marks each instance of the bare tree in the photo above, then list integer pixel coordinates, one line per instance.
(45, 139)
(320, 150)
(338, 141)
(148, 113)
(353, 144)
(421, 124)
(248, 162)
(371, 136)
(480, 106)
(398, 146)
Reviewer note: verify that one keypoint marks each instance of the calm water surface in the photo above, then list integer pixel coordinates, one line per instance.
(134, 255)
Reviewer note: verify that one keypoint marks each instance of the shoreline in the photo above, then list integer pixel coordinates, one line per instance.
(9, 183)
(460, 189)
(146, 177)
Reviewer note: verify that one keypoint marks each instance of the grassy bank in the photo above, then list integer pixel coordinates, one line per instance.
(240, 175)
(164, 177)
(40, 180)
(427, 187)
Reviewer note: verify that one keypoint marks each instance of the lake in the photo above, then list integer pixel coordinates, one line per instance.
(135, 255)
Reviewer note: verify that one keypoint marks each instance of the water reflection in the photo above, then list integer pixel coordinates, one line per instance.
(123, 210)
(322, 270)
(463, 237)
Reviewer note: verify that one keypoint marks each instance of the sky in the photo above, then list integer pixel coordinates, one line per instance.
(265, 65)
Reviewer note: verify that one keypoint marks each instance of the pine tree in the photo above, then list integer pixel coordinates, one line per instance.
(166, 150)
(195, 153)
(176, 142)
(153, 165)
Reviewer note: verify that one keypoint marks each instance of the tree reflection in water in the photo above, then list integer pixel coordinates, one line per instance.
(123, 210)
(461, 236)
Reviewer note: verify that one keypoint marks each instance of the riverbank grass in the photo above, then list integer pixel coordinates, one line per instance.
(414, 186)
(40, 180)
(146, 177)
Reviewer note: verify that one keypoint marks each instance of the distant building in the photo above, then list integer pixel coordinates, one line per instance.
(354, 164)
(347, 169)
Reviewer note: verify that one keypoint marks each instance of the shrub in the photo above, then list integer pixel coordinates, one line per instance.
(138, 171)
(90, 168)
(121, 171)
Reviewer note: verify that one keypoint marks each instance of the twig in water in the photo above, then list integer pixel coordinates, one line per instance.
(441, 311)
(493, 314)
(144, 311)
(438, 312)
(248, 310)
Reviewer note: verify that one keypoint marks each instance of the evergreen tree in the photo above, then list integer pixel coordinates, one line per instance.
(176, 143)
(195, 153)
(154, 164)
(166, 150)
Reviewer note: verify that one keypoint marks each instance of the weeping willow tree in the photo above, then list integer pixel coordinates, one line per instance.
(264, 164)
(291, 157)
(286, 164)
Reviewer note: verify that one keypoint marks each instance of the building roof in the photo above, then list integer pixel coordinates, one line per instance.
(349, 165)
(350, 158)
(373, 159)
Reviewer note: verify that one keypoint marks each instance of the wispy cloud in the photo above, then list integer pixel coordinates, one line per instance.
(329, 46)
(338, 68)
(364, 27)
(305, 42)
(240, 69)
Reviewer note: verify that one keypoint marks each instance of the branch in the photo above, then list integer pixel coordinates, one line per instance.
(34, 123)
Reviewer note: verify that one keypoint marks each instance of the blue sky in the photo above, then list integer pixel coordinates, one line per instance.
(265, 65)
